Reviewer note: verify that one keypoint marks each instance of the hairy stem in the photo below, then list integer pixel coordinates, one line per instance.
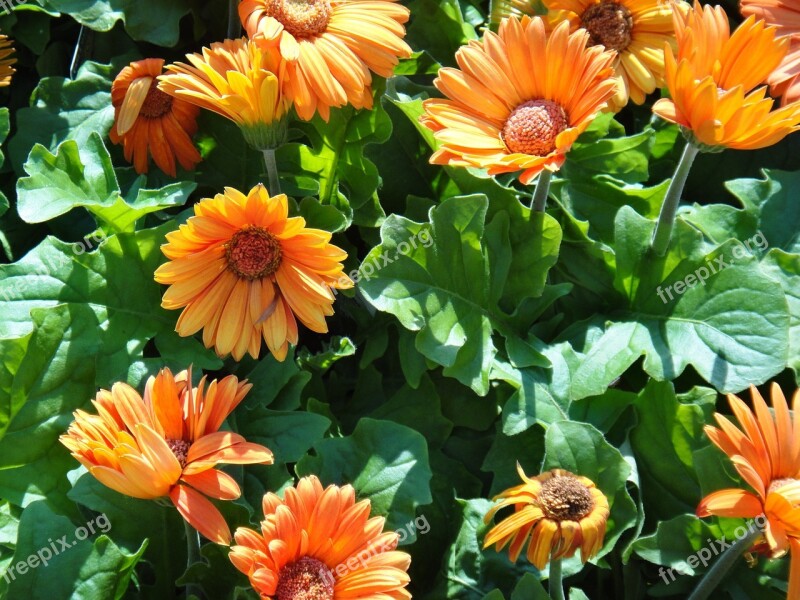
(666, 219)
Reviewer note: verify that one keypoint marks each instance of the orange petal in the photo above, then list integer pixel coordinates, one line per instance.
(730, 503)
(201, 514)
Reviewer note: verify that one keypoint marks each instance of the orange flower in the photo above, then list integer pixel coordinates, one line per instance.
(321, 544)
(243, 269)
(330, 47)
(6, 60)
(785, 16)
(766, 453)
(557, 511)
(711, 79)
(147, 122)
(520, 99)
(238, 80)
(167, 444)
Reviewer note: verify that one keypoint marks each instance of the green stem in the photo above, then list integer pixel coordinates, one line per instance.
(192, 555)
(716, 573)
(666, 220)
(539, 201)
(554, 581)
(272, 171)
(234, 24)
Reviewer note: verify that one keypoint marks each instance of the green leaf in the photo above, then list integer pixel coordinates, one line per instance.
(439, 27)
(4, 128)
(674, 542)
(785, 268)
(623, 158)
(289, 434)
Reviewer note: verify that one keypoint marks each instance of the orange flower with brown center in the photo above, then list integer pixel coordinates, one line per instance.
(6, 61)
(167, 443)
(148, 122)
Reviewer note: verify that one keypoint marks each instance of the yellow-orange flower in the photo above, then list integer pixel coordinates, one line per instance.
(330, 47)
(555, 513)
(6, 60)
(785, 16)
(148, 122)
(167, 444)
(766, 453)
(711, 78)
(520, 99)
(243, 269)
(238, 80)
(321, 544)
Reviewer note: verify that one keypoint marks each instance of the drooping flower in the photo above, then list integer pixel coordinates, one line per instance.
(238, 80)
(555, 513)
(6, 60)
(784, 81)
(167, 444)
(711, 82)
(520, 98)
(330, 47)
(148, 122)
(765, 450)
(243, 269)
(321, 544)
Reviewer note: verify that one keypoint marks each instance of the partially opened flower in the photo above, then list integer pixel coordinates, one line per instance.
(6, 60)
(711, 82)
(320, 544)
(784, 81)
(765, 450)
(520, 98)
(167, 444)
(148, 122)
(244, 270)
(330, 47)
(555, 514)
(241, 82)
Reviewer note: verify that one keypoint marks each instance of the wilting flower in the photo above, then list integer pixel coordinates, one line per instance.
(243, 269)
(6, 60)
(520, 99)
(241, 82)
(321, 544)
(148, 122)
(785, 16)
(167, 444)
(766, 453)
(555, 513)
(711, 79)
(330, 47)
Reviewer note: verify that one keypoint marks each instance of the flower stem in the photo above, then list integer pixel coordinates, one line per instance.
(192, 555)
(554, 582)
(717, 572)
(234, 24)
(666, 219)
(539, 201)
(272, 171)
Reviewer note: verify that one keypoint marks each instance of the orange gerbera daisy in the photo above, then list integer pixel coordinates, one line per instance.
(6, 60)
(785, 16)
(330, 47)
(555, 513)
(241, 82)
(766, 453)
(167, 444)
(711, 79)
(520, 99)
(243, 269)
(147, 122)
(321, 544)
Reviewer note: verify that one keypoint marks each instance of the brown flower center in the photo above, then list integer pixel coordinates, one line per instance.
(306, 579)
(532, 127)
(609, 24)
(180, 448)
(301, 18)
(565, 498)
(253, 253)
(156, 103)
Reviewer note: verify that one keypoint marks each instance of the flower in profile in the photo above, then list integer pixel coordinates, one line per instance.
(765, 450)
(243, 269)
(330, 47)
(520, 99)
(6, 60)
(241, 82)
(784, 81)
(148, 122)
(555, 513)
(711, 82)
(320, 544)
(167, 443)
